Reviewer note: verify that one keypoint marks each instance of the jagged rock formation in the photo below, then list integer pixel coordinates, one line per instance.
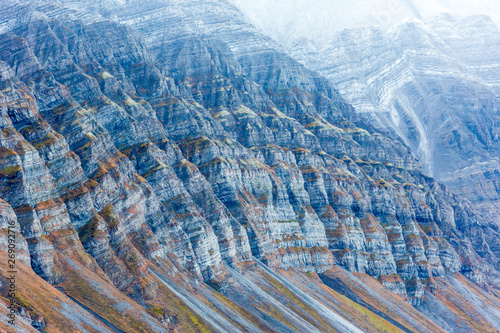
(430, 80)
(168, 162)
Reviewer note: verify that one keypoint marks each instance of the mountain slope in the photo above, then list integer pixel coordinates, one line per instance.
(431, 80)
(171, 177)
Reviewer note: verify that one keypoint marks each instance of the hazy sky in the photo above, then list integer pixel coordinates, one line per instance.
(287, 20)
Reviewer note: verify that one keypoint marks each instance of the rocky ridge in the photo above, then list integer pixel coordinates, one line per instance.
(198, 157)
(428, 79)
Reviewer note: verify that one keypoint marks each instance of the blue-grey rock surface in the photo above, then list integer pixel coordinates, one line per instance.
(169, 159)
(426, 72)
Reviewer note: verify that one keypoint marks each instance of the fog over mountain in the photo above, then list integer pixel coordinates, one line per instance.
(289, 20)
(428, 71)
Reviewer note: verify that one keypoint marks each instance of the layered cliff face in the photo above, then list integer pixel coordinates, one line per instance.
(425, 83)
(170, 177)
(425, 71)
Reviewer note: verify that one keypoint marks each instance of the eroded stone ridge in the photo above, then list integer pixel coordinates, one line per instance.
(184, 151)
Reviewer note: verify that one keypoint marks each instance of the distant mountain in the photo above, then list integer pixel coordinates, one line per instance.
(426, 71)
(169, 167)
(289, 20)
